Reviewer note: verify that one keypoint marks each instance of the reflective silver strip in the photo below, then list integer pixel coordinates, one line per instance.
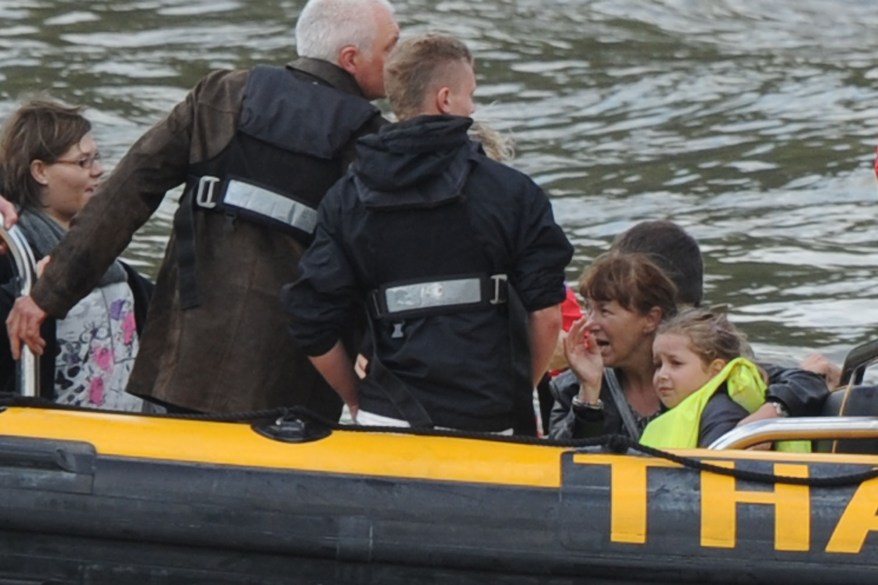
(272, 205)
(439, 293)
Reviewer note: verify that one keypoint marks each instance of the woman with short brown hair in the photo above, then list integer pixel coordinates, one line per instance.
(51, 167)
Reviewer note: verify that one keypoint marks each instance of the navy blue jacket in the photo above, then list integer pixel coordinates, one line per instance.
(422, 203)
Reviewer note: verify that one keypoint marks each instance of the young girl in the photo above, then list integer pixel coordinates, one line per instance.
(703, 378)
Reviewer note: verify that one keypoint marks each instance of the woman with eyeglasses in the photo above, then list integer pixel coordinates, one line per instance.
(50, 167)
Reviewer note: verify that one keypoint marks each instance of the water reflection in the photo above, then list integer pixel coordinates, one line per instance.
(750, 123)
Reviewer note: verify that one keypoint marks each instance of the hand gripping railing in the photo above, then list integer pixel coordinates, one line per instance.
(24, 265)
(797, 429)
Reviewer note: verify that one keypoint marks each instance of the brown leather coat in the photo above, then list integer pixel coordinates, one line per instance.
(233, 352)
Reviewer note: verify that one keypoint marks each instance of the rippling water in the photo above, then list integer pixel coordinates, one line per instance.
(751, 123)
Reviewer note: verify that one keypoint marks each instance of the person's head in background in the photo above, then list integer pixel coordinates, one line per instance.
(673, 250)
(356, 35)
(690, 349)
(430, 75)
(50, 160)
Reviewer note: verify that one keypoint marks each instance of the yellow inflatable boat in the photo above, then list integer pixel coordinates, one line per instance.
(136, 498)
(97, 497)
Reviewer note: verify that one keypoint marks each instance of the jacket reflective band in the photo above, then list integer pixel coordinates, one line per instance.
(271, 205)
(456, 292)
(439, 293)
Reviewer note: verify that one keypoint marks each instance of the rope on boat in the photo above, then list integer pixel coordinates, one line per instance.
(612, 443)
(755, 476)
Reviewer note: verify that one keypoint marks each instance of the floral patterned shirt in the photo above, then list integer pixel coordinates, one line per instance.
(97, 343)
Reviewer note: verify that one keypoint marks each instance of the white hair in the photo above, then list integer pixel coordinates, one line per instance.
(325, 27)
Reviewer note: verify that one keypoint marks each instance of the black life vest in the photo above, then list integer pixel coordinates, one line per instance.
(444, 269)
(286, 153)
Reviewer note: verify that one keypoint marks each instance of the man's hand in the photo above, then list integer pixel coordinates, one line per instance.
(23, 325)
(820, 364)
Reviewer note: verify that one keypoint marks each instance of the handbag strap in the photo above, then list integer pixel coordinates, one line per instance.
(621, 404)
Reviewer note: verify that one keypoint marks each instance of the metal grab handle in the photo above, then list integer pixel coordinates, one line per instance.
(25, 268)
(798, 429)
(857, 360)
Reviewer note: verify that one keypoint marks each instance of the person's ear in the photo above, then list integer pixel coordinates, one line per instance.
(347, 59)
(716, 366)
(443, 106)
(652, 320)
(38, 172)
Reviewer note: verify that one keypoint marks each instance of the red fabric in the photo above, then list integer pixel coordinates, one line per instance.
(570, 309)
(570, 312)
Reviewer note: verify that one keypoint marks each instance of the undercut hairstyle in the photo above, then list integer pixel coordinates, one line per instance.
(325, 27)
(416, 66)
(632, 280)
(711, 335)
(39, 130)
(674, 250)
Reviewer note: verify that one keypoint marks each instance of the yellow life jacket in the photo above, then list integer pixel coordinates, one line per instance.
(679, 427)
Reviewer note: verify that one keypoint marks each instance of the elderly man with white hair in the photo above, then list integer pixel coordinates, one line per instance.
(257, 149)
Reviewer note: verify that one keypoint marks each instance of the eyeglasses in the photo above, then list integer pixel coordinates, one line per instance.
(86, 162)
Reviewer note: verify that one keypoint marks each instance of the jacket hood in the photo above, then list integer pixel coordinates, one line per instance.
(422, 162)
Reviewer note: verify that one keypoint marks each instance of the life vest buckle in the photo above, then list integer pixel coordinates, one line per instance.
(204, 195)
(500, 289)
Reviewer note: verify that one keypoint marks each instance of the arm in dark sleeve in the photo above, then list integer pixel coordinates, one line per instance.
(319, 304)
(157, 162)
(721, 414)
(800, 391)
(564, 422)
(543, 253)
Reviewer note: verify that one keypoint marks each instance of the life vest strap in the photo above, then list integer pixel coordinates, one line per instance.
(258, 202)
(415, 299)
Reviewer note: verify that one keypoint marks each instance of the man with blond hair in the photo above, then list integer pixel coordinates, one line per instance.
(456, 256)
(257, 150)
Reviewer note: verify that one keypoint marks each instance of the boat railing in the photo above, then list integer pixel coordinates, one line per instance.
(797, 429)
(857, 360)
(25, 273)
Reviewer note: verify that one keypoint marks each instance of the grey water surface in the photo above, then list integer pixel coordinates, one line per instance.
(751, 123)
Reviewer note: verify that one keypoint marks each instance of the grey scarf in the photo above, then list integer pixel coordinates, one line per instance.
(43, 234)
